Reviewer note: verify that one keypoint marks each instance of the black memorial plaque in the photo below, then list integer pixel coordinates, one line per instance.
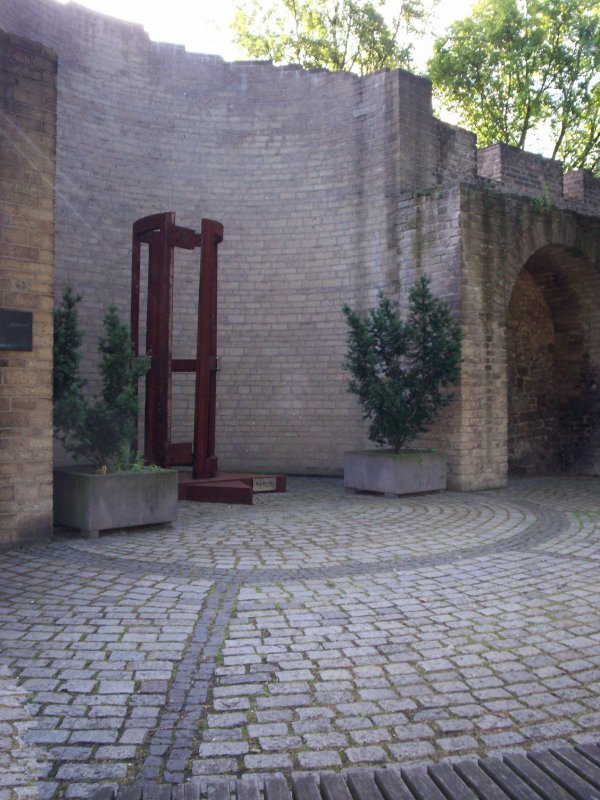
(16, 329)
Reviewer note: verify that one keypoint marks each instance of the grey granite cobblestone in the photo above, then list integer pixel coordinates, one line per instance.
(314, 630)
(22, 762)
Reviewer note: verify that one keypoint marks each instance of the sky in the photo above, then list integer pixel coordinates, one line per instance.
(203, 26)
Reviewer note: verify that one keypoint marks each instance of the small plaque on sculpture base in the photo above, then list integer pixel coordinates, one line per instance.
(228, 487)
(268, 483)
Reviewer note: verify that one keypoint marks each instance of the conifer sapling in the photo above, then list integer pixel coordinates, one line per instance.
(99, 431)
(401, 370)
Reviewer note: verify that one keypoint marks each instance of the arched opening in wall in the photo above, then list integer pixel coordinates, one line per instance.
(553, 342)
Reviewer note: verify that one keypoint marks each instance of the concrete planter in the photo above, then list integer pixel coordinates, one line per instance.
(94, 502)
(387, 472)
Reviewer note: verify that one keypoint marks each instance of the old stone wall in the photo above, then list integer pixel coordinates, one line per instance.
(27, 148)
(525, 173)
(532, 402)
(330, 187)
(429, 241)
(304, 169)
(503, 236)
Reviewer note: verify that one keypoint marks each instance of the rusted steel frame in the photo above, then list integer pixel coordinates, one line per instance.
(156, 231)
(182, 453)
(135, 311)
(135, 293)
(205, 460)
(183, 365)
(142, 226)
(162, 235)
(185, 238)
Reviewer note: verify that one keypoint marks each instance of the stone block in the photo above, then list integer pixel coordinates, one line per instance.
(95, 502)
(387, 472)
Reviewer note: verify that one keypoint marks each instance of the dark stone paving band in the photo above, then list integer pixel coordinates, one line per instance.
(175, 739)
(172, 743)
(547, 525)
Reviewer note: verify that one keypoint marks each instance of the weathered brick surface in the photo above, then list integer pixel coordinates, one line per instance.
(330, 187)
(502, 235)
(553, 366)
(27, 151)
(533, 410)
(305, 171)
(301, 168)
(582, 190)
(521, 172)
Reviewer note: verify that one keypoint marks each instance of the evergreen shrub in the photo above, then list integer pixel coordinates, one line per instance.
(97, 431)
(401, 370)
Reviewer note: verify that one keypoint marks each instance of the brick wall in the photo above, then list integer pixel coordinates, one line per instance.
(525, 173)
(304, 171)
(27, 149)
(457, 154)
(329, 187)
(533, 427)
(502, 236)
(517, 171)
(553, 369)
(582, 191)
(429, 242)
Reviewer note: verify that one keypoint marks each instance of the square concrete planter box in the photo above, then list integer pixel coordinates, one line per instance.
(387, 472)
(94, 502)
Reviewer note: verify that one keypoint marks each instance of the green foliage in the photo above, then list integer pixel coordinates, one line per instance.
(67, 385)
(348, 35)
(98, 431)
(401, 369)
(515, 68)
(137, 464)
(543, 203)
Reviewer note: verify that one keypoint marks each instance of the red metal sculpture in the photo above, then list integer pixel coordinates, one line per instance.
(162, 236)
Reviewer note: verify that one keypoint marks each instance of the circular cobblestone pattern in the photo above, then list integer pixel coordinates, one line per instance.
(315, 630)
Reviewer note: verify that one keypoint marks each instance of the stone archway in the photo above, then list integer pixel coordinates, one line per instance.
(552, 354)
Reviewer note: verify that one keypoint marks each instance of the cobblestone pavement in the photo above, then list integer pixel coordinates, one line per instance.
(314, 630)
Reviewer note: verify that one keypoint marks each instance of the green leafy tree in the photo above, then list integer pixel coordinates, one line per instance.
(98, 431)
(517, 68)
(348, 35)
(401, 369)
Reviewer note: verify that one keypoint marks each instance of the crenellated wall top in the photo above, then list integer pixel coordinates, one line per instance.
(519, 172)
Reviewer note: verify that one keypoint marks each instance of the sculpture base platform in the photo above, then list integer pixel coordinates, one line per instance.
(228, 487)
